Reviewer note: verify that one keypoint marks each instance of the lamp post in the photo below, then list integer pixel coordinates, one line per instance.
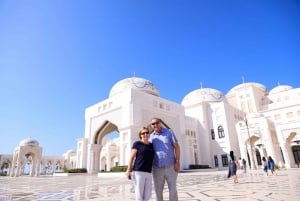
(253, 166)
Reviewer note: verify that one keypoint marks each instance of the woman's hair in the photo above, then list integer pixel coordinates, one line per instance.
(231, 155)
(141, 130)
(270, 158)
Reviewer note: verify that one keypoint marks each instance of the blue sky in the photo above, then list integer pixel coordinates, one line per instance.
(58, 57)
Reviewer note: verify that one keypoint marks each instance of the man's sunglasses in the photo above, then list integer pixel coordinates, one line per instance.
(157, 122)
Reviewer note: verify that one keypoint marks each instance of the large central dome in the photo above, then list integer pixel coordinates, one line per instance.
(136, 83)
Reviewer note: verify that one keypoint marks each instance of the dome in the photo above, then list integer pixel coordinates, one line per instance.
(280, 88)
(203, 95)
(137, 83)
(29, 142)
(70, 151)
(253, 84)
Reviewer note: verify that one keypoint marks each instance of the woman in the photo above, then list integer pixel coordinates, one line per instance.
(271, 164)
(142, 153)
(265, 165)
(233, 167)
(244, 165)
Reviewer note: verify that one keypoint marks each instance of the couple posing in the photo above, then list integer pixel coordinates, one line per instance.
(159, 153)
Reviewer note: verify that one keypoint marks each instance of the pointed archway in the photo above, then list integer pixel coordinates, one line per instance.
(100, 162)
(30, 152)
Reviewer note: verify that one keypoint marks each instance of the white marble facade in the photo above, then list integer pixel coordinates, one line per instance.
(250, 120)
(27, 159)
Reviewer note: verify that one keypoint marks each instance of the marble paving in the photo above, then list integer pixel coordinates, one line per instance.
(192, 186)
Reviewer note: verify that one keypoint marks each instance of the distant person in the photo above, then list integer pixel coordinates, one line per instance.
(233, 167)
(140, 162)
(271, 164)
(229, 172)
(244, 165)
(241, 163)
(265, 165)
(166, 160)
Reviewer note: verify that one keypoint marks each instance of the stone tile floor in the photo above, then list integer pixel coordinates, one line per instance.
(192, 186)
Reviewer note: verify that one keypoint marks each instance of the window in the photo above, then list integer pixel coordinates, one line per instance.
(224, 160)
(277, 117)
(221, 132)
(212, 133)
(289, 115)
(216, 161)
(296, 153)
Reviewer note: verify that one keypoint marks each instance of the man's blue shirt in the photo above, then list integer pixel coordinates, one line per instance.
(163, 147)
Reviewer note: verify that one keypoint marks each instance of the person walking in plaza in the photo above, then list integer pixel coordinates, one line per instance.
(141, 162)
(229, 171)
(265, 165)
(233, 164)
(241, 163)
(271, 164)
(166, 163)
(244, 165)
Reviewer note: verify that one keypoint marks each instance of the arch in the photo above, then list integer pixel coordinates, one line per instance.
(102, 160)
(28, 154)
(103, 165)
(107, 127)
(5, 167)
(258, 157)
(221, 133)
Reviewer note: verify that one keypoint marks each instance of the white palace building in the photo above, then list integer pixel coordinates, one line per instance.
(250, 120)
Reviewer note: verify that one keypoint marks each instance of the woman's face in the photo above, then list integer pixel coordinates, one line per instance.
(144, 134)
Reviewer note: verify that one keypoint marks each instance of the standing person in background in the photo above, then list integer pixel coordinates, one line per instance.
(166, 160)
(265, 165)
(229, 171)
(142, 153)
(271, 164)
(241, 163)
(233, 166)
(244, 165)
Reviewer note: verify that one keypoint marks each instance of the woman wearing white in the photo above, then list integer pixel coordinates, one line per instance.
(142, 153)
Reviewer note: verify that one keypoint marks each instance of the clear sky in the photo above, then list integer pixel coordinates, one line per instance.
(58, 57)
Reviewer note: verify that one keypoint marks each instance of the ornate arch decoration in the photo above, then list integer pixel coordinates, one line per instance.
(106, 127)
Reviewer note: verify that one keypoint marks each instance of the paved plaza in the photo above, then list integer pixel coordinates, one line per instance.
(192, 186)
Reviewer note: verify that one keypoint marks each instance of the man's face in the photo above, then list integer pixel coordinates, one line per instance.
(155, 123)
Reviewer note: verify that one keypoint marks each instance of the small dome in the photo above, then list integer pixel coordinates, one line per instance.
(280, 88)
(29, 142)
(137, 83)
(203, 95)
(70, 151)
(253, 84)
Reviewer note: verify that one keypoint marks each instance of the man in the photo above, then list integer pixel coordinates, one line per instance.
(166, 160)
